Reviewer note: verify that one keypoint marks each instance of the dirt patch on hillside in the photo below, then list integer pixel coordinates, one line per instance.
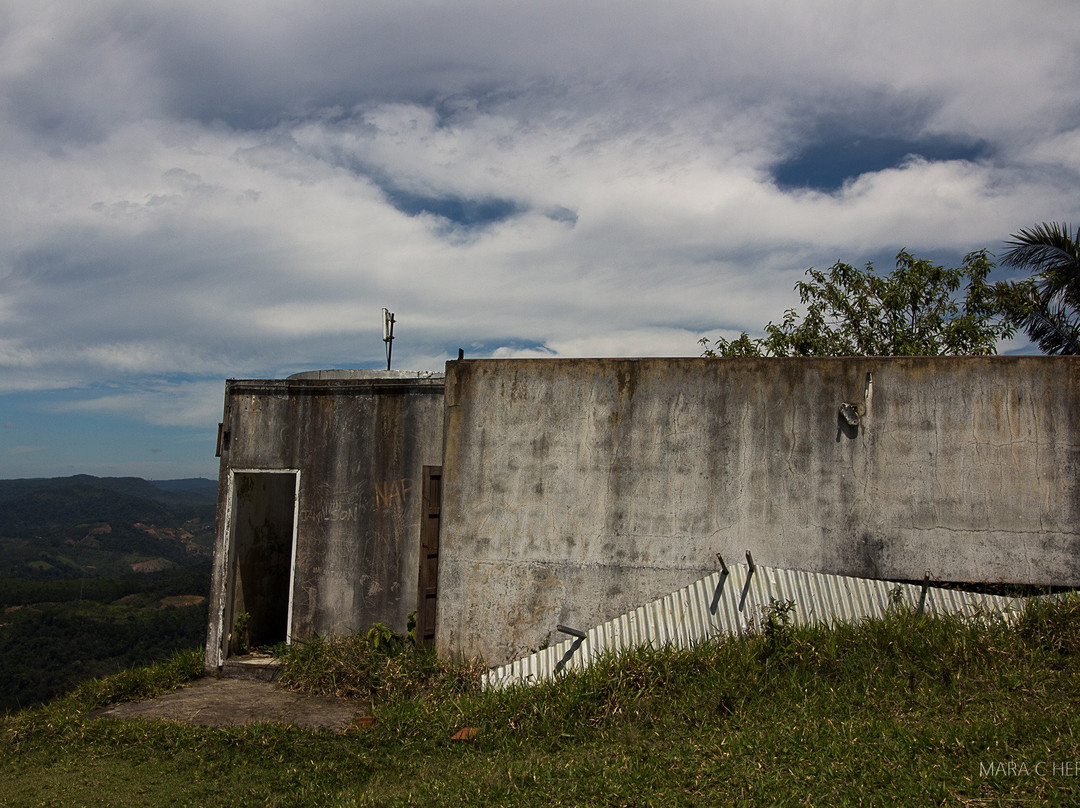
(153, 565)
(215, 702)
(181, 601)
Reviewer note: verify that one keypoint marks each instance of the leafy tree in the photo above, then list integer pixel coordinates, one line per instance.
(1051, 314)
(918, 309)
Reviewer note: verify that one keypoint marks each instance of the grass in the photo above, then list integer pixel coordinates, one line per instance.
(378, 668)
(909, 710)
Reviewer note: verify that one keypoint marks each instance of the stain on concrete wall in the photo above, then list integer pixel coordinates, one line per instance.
(575, 490)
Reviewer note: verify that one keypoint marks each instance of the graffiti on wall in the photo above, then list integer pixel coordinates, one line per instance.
(321, 504)
(390, 493)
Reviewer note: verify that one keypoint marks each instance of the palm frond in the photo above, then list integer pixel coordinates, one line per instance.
(1053, 326)
(1051, 251)
(1044, 246)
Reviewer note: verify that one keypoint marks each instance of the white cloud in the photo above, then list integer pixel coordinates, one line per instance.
(225, 191)
(187, 404)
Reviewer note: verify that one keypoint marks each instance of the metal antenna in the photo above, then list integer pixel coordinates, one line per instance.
(388, 334)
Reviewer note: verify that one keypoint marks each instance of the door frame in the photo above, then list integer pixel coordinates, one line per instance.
(228, 572)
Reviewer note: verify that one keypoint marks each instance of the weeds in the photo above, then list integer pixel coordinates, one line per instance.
(777, 630)
(1051, 625)
(240, 637)
(376, 667)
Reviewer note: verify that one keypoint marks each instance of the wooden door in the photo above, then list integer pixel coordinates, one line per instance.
(427, 591)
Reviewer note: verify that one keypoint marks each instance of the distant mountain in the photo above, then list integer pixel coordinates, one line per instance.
(168, 491)
(199, 486)
(86, 526)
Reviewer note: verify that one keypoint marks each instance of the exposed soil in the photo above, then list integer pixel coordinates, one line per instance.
(180, 601)
(221, 702)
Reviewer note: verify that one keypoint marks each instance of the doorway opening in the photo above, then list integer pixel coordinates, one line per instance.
(261, 550)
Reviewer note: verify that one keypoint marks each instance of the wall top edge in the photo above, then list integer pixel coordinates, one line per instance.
(303, 383)
(1038, 358)
(351, 374)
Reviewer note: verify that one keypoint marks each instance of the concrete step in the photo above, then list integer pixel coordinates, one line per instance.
(259, 667)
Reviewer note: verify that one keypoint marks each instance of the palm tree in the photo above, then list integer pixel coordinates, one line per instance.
(1051, 316)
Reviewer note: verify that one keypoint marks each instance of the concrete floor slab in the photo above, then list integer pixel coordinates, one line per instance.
(214, 702)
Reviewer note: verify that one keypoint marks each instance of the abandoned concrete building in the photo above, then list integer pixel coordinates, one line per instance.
(504, 497)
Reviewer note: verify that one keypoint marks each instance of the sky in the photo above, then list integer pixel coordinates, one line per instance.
(195, 191)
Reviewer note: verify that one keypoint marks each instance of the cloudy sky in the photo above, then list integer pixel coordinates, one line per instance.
(201, 190)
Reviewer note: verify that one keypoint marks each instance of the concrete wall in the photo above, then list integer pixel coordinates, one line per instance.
(575, 490)
(359, 441)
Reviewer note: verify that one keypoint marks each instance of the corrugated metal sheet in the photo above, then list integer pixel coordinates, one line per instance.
(733, 601)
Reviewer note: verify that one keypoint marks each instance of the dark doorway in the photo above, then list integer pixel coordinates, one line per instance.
(261, 549)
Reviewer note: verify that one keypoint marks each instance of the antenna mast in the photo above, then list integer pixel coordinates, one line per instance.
(388, 333)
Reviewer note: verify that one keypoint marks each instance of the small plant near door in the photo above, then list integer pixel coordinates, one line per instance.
(241, 638)
(410, 631)
(374, 665)
(383, 639)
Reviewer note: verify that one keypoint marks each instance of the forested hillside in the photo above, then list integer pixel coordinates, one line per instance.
(92, 526)
(96, 575)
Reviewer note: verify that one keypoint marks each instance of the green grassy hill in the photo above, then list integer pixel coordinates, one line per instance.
(910, 710)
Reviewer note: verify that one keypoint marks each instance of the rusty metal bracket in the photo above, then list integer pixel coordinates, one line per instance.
(723, 566)
(752, 568)
(719, 584)
(922, 595)
(579, 637)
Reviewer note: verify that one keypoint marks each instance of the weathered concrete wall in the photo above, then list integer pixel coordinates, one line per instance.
(359, 441)
(575, 490)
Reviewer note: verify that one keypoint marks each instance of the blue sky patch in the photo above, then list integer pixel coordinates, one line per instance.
(485, 348)
(457, 210)
(827, 164)
(562, 215)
